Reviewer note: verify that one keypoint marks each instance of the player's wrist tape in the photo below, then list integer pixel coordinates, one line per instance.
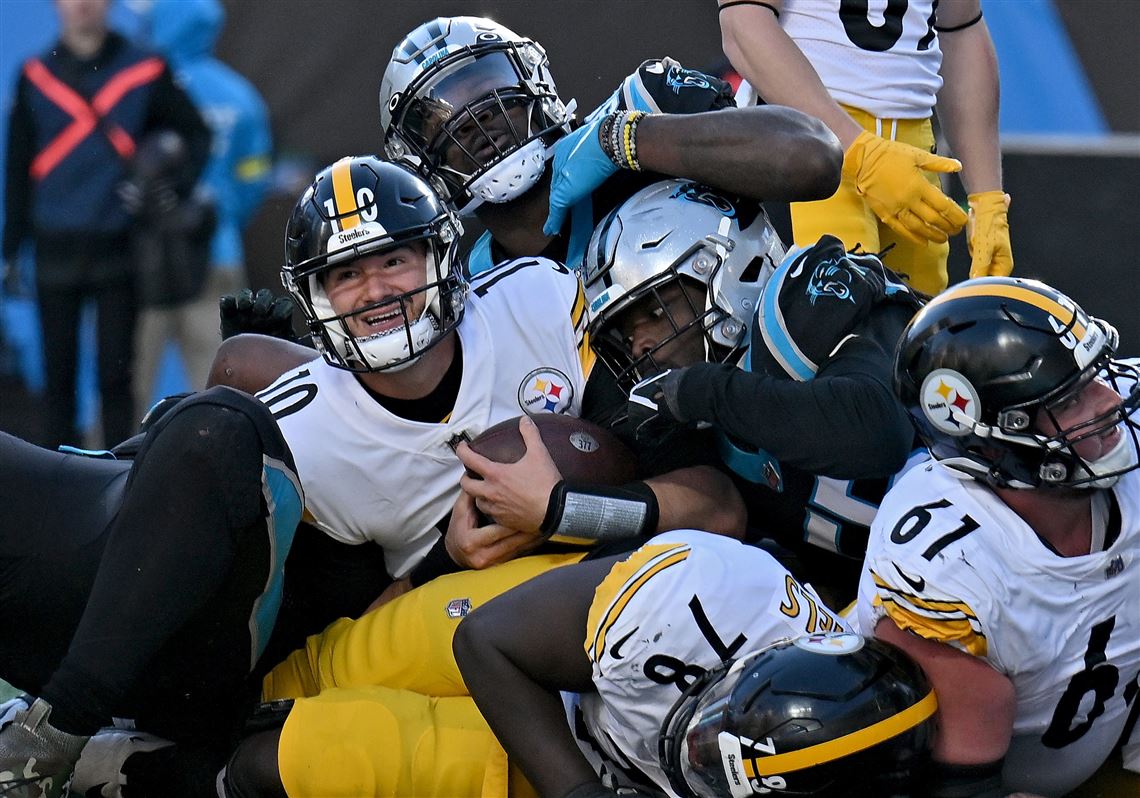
(601, 512)
(963, 781)
(617, 135)
(437, 562)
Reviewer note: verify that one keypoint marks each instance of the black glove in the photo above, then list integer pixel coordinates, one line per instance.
(653, 403)
(261, 313)
(151, 199)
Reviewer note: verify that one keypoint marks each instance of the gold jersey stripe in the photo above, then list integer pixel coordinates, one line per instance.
(918, 602)
(621, 584)
(578, 311)
(959, 633)
(845, 745)
(1066, 315)
(586, 355)
(345, 196)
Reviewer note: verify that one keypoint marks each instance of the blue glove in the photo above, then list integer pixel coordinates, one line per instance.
(580, 166)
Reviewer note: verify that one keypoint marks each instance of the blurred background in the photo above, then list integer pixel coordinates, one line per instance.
(1070, 124)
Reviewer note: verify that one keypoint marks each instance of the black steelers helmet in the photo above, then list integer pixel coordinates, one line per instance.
(362, 206)
(979, 364)
(824, 715)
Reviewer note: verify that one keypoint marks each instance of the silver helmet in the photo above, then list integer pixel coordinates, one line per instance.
(471, 105)
(678, 230)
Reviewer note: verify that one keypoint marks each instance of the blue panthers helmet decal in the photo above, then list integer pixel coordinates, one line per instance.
(694, 192)
(681, 78)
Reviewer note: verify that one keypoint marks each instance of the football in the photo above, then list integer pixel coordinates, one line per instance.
(583, 451)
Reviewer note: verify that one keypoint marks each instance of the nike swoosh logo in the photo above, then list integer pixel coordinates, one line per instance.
(918, 584)
(614, 648)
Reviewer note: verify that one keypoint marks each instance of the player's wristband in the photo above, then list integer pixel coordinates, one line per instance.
(963, 781)
(437, 562)
(617, 135)
(768, 6)
(601, 512)
(967, 24)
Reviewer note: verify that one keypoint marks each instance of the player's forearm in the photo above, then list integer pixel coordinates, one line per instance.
(968, 105)
(769, 152)
(976, 704)
(846, 426)
(768, 59)
(700, 497)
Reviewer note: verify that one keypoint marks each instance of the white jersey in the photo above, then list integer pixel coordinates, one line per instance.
(948, 560)
(887, 66)
(676, 607)
(370, 475)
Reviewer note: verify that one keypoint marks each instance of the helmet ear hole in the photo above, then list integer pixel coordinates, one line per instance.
(754, 268)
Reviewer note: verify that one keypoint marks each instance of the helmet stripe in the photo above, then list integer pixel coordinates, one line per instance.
(847, 744)
(1067, 316)
(344, 195)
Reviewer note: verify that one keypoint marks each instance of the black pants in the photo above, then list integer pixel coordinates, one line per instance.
(113, 293)
(147, 590)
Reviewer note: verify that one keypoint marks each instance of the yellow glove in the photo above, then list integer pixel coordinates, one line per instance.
(987, 235)
(888, 175)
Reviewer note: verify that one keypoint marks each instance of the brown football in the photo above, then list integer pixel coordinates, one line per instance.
(583, 451)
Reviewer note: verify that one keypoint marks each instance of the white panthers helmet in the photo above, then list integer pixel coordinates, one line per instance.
(472, 106)
(672, 230)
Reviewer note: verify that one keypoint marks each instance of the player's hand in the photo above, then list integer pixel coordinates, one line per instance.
(653, 405)
(987, 235)
(516, 494)
(261, 313)
(888, 175)
(476, 545)
(664, 86)
(394, 590)
(579, 167)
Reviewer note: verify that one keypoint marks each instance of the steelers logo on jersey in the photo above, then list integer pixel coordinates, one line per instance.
(545, 390)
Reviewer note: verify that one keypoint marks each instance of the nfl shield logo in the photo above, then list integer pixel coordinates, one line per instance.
(458, 608)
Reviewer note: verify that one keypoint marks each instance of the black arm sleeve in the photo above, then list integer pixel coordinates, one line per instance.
(172, 109)
(17, 182)
(845, 423)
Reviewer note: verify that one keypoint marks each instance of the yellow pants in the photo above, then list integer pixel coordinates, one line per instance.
(406, 643)
(381, 706)
(847, 217)
(375, 741)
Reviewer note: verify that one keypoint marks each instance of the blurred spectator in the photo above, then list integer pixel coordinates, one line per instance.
(79, 110)
(235, 180)
(875, 85)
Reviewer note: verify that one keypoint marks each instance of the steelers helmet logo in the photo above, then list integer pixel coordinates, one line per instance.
(833, 643)
(545, 390)
(950, 402)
